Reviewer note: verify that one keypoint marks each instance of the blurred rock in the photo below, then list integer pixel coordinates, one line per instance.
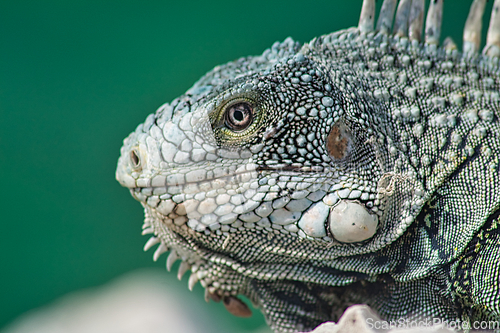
(148, 302)
(362, 319)
(140, 302)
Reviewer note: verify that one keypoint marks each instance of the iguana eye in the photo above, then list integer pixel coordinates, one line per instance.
(239, 116)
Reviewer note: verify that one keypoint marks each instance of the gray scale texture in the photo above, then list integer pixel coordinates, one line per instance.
(249, 212)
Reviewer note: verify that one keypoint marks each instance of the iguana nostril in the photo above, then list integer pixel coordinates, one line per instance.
(135, 159)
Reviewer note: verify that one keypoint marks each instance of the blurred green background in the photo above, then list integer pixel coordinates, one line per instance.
(75, 78)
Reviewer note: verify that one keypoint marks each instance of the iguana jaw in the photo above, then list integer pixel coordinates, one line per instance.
(182, 243)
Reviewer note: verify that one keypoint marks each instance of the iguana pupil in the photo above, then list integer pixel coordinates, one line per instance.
(238, 115)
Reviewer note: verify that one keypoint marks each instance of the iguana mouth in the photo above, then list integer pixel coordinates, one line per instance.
(292, 168)
(171, 184)
(201, 175)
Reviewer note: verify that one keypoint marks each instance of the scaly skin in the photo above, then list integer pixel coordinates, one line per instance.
(360, 167)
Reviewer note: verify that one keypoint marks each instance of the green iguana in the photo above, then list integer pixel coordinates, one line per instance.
(359, 168)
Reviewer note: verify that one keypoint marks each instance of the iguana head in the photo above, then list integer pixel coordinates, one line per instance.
(287, 175)
(267, 167)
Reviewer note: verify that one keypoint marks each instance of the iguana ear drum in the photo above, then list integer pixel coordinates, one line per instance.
(339, 142)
